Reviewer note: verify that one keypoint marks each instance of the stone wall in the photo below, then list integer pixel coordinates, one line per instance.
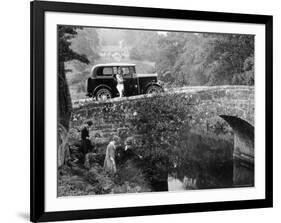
(205, 105)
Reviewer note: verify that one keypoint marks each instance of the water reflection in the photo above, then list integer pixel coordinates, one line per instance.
(175, 184)
(207, 162)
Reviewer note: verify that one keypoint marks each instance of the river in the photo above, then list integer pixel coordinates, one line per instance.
(206, 163)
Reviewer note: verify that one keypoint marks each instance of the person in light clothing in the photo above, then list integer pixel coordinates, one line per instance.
(109, 161)
(120, 81)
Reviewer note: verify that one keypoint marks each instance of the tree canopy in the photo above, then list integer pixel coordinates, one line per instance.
(66, 53)
(206, 59)
(65, 35)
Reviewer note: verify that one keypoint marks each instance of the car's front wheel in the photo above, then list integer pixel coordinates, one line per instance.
(103, 94)
(154, 89)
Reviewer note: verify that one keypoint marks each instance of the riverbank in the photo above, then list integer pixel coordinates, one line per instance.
(78, 180)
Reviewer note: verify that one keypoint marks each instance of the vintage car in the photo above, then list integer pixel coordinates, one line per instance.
(102, 83)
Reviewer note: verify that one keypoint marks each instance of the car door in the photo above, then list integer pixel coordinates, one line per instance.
(105, 77)
(130, 82)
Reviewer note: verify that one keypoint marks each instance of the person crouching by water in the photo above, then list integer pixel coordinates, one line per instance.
(120, 81)
(109, 161)
(126, 154)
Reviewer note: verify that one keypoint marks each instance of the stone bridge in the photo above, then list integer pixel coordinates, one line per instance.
(207, 102)
(229, 108)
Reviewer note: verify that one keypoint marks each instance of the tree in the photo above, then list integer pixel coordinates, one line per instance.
(206, 59)
(86, 42)
(144, 45)
(227, 58)
(189, 66)
(65, 35)
(171, 48)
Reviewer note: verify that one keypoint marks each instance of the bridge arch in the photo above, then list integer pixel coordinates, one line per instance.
(243, 152)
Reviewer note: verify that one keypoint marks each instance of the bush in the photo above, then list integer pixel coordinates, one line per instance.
(102, 182)
(159, 122)
(78, 181)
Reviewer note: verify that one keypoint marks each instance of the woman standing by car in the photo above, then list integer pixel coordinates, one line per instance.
(120, 81)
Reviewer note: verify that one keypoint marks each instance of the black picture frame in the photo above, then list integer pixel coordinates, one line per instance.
(37, 157)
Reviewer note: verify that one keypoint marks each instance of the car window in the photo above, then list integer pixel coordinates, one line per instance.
(115, 70)
(132, 70)
(126, 72)
(107, 71)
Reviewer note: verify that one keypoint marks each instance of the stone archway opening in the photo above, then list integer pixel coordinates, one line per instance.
(243, 152)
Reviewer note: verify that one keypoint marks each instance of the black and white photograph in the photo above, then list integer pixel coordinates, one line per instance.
(142, 110)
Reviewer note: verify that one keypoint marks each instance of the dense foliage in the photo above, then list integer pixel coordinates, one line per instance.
(76, 181)
(231, 60)
(66, 34)
(159, 122)
(205, 59)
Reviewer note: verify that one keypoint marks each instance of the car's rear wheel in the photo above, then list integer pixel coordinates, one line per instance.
(154, 89)
(103, 94)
